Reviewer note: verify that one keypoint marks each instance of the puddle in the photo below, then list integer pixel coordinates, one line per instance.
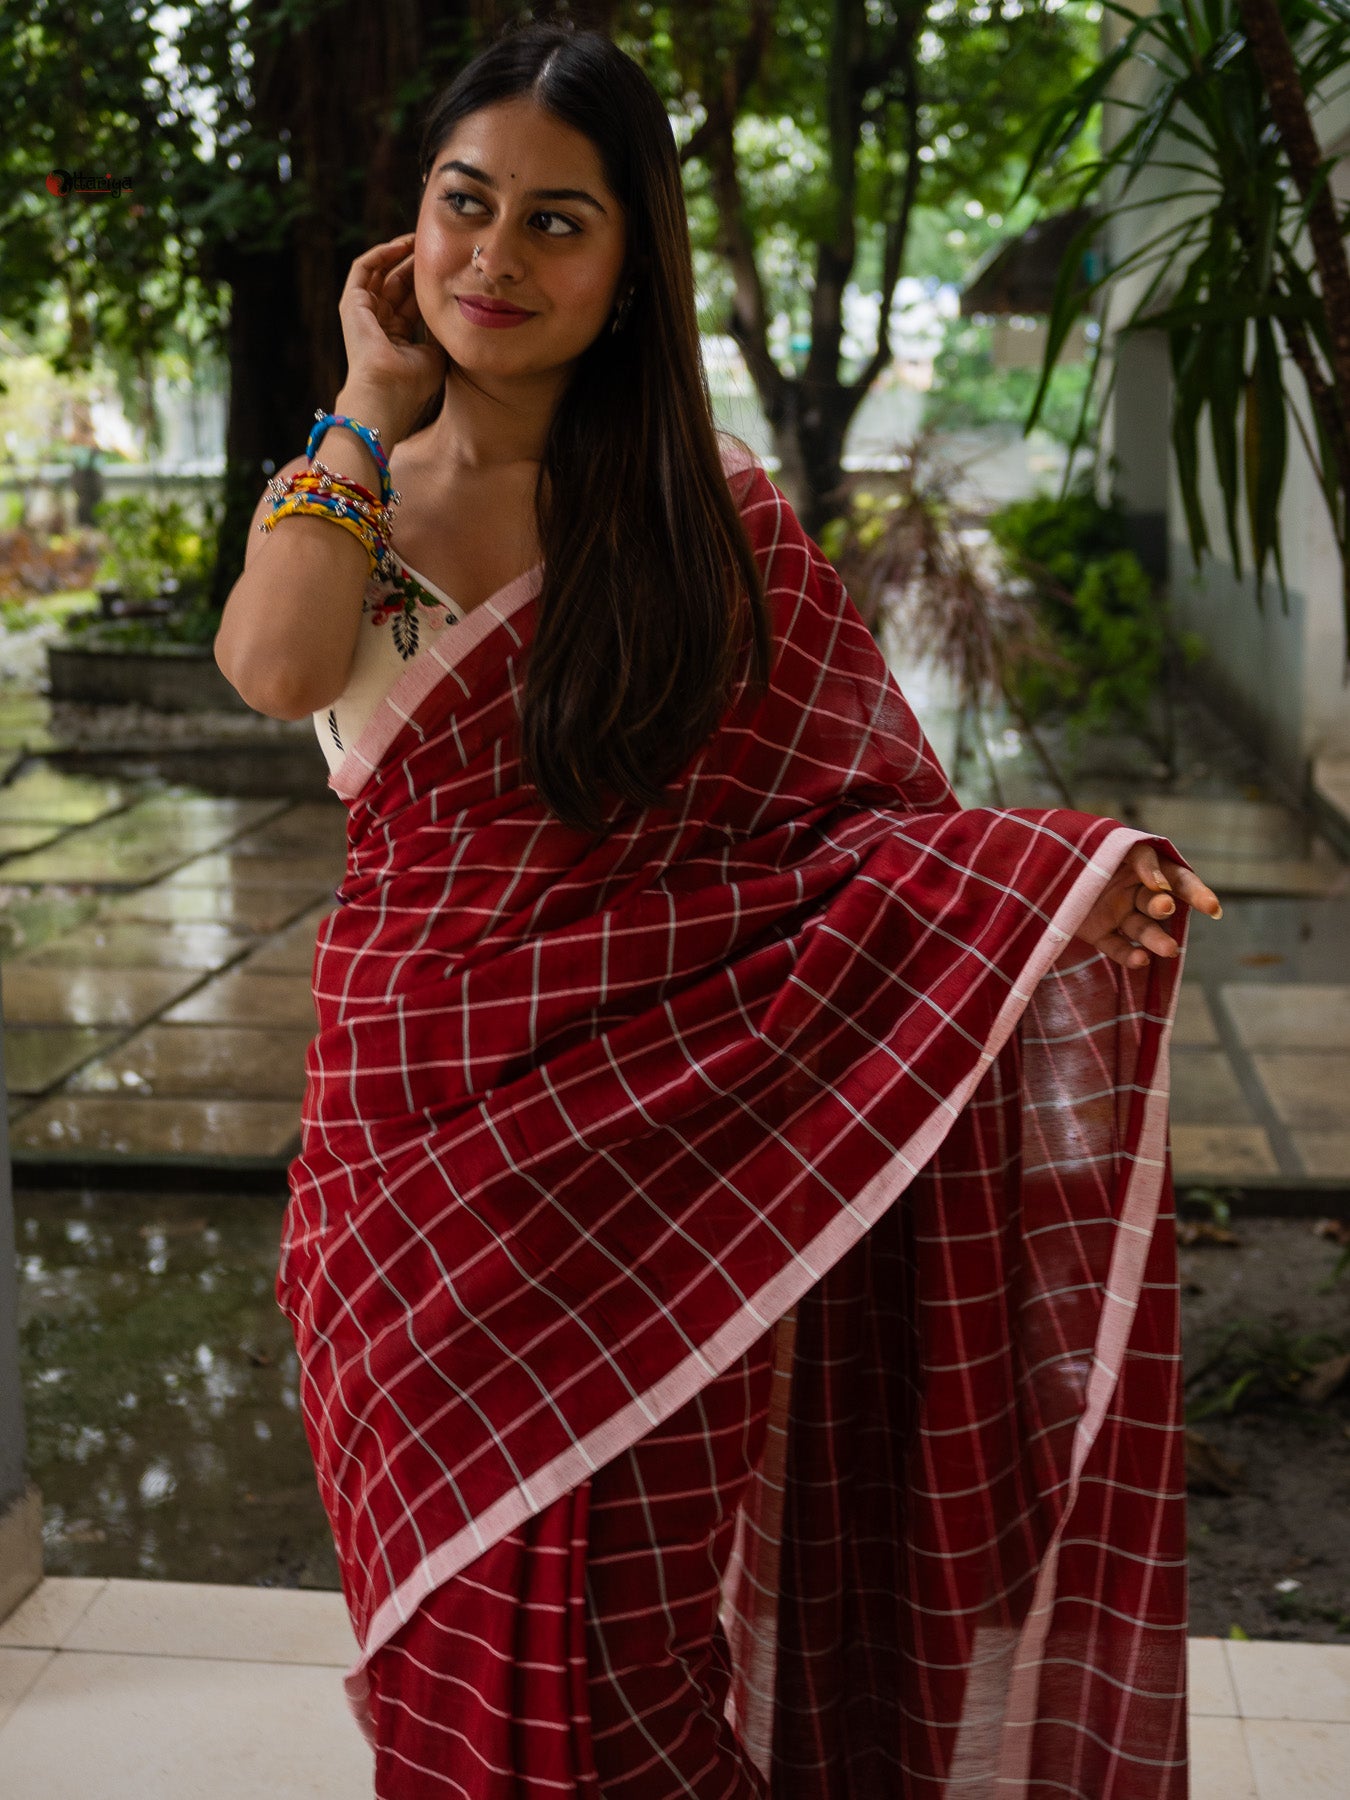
(160, 1385)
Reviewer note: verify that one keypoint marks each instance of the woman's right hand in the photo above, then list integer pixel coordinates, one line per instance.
(393, 374)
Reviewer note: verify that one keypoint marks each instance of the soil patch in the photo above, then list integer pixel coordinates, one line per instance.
(1273, 1557)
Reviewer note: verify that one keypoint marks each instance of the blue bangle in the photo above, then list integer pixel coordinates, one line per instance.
(369, 436)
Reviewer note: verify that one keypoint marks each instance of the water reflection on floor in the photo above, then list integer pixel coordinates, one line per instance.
(160, 1385)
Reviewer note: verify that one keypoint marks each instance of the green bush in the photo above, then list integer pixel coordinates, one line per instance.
(1097, 601)
(194, 624)
(151, 542)
(968, 391)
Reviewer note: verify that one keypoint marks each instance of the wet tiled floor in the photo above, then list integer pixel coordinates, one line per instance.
(156, 976)
(134, 1690)
(159, 942)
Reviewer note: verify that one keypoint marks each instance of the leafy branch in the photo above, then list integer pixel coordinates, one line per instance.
(1228, 87)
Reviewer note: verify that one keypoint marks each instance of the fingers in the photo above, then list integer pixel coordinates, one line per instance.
(370, 268)
(1121, 950)
(1148, 869)
(1139, 929)
(1189, 887)
(1165, 877)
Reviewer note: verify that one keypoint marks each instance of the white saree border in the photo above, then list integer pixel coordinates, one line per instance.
(1014, 1696)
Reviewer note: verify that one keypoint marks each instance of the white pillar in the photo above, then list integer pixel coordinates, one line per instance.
(20, 1503)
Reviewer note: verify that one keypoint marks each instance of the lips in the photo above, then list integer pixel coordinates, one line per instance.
(479, 310)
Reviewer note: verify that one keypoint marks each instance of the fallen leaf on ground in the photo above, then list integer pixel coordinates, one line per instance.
(1323, 1380)
(1204, 1231)
(1209, 1471)
(1335, 1229)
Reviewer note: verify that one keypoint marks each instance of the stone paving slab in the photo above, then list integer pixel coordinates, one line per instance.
(1325, 1154)
(137, 1690)
(146, 839)
(257, 909)
(89, 1127)
(206, 944)
(35, 994)
(1295, 1016)
(291, 950)
(255, 867)
(244, 997)
(16, 837)
(238, 1062)
(42, 795)
(161, 1022)
(40, 1057)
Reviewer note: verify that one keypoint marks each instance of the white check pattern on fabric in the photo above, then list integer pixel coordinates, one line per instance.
(586, 1115)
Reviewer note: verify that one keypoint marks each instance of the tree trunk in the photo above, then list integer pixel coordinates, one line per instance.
(808, 440)
(271, 400)
(809, 413)
(344, 94)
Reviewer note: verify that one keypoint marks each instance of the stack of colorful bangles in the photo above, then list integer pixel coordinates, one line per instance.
(324, 493)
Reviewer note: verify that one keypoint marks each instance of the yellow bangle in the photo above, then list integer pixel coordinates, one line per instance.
(296, 504)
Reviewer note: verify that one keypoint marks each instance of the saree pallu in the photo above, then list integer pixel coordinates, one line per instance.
(812, 1051)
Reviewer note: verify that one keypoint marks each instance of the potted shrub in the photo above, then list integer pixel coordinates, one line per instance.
(150, 642)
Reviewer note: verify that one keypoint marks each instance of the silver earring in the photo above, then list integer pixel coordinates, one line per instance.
(622, 310)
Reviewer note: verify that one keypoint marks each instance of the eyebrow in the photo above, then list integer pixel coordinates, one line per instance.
(480, 175)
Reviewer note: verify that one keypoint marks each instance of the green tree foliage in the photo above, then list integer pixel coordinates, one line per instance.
(816, 132)
(269, 141)
(1237, 250)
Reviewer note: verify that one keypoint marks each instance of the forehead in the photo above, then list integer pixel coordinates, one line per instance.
(516, 143)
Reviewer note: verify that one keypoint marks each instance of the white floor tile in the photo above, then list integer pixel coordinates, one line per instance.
(1290, 1015)
(1293, 1681)
(50, 1613)
(19, 1669)
(1292, 1760)
(1219, 1766)
(152, 1728)
(1209, 1685)
(185, 1618)
(1194, 1022)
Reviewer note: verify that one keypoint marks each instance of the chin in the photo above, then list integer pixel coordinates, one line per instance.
(506, 359)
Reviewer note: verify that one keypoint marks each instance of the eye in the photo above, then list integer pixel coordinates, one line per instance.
(557, 224)
(460, 202)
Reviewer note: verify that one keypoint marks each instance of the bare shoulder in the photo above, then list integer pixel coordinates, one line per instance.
(264, 506)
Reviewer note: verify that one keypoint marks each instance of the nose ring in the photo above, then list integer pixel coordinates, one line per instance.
(474, 258)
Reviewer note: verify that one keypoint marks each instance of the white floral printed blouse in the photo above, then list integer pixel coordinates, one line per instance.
(399, 616)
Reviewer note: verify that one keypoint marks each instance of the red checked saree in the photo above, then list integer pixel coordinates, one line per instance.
(801, 1090)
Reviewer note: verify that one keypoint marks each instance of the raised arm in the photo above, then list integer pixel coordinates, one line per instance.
(289, 628)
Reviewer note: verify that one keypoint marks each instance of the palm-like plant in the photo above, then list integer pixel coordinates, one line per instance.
(1227, 272)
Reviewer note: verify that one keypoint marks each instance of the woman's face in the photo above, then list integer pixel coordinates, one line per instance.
(531, 192)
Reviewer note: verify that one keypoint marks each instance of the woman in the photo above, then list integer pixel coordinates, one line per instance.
(729, 1253)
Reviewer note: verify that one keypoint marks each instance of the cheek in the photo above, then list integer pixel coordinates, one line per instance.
(436, 251)
(589, 291)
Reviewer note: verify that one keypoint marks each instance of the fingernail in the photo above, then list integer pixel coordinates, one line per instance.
(1217, 913)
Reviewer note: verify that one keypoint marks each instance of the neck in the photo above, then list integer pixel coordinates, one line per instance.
(487, 423)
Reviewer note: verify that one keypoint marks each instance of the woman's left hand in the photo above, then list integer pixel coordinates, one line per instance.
(1126, 923)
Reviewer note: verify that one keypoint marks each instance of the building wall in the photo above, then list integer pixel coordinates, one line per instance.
(1277, 670)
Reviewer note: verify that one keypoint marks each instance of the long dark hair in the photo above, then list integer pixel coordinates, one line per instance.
(651, 590)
